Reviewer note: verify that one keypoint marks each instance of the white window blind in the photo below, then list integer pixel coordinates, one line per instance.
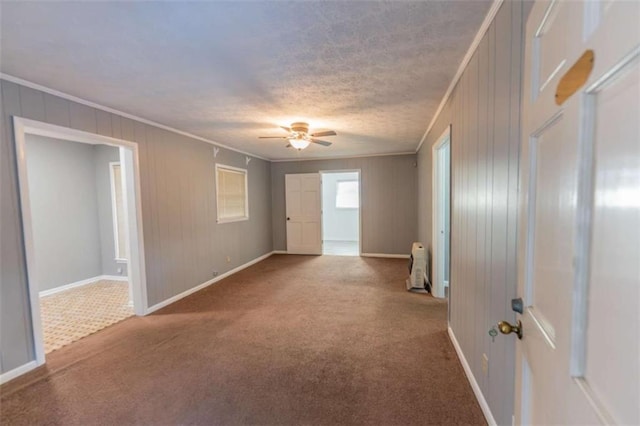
(117, 207)
(347, 196)
(232, 197)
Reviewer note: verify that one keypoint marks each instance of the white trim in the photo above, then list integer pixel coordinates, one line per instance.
(279, 252)
(72, 98)
(19, 371)
(244, 172)
(81, 283)
(472, 380)
(437, 181)
(114, 209)
(390, 256)
(206, 284)
(131, 170)
(345, 157)
(359, 171)
(113, 277)
(491, 14)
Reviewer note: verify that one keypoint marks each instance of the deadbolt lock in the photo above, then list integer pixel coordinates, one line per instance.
(506, 328)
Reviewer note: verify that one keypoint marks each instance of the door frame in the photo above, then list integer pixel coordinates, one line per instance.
(359, 172)
(129, 157)
(438, 212)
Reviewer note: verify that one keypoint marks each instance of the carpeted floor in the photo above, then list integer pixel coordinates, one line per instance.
(78, 312)
(291, 340)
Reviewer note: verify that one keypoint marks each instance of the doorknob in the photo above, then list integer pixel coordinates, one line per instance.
(506, 328)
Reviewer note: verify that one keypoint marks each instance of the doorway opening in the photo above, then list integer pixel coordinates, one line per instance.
(441, 155)
(341, 213)
(79, 194)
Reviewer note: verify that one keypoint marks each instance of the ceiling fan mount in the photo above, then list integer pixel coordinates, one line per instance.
(299, 136)
(300, 127)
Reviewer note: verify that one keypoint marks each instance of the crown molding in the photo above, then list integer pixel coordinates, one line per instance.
(488, 19)
(72, 98)
(344, 157)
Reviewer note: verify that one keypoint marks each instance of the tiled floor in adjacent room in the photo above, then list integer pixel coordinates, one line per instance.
(78, 312)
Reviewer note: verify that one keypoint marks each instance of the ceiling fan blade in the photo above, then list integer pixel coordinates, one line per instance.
(325, 133)
(273, 137)
(288, 129)
(319, 142)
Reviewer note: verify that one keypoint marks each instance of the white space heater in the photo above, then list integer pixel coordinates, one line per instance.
(417, 269)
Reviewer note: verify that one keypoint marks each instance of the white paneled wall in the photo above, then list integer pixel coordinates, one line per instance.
(484, 113)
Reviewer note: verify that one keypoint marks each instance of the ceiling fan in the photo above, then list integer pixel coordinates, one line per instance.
(300, 138)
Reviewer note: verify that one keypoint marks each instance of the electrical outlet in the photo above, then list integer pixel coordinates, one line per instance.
(485, 364)
(228, 259)
(215, 273)
(119, 271)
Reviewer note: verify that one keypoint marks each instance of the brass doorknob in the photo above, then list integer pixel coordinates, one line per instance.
(506, 328)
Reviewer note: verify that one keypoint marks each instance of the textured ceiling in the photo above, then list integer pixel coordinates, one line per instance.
(230, 71)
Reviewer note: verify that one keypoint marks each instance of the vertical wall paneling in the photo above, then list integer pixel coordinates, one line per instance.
(484, 112)
(103, 123)
(81, 117)
(183, 243)
(482, 160)
(13, 273)
(56, 110)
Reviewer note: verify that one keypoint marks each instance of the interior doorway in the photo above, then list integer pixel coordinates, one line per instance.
(80, 203)
(341, 213)
(441, 214)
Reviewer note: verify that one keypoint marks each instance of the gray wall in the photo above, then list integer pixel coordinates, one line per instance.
(183, 243)
(64, 211)
(103, 155)
(484, 112)
(337, 224)
(388, 199)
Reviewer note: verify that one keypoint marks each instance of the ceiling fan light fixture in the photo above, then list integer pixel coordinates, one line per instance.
(299, 143)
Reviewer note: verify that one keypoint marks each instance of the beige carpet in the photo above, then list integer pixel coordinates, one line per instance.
(292, 340)
(78, 312)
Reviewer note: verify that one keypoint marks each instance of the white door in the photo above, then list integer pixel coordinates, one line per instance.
(304, 215)
(441, 154)
(579, 249)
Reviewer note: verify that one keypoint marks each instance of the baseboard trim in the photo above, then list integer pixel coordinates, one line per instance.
(114, 277)
(472, 380)
(386, 255)
(186, 293)
(279, 252)
(81, 283)
(19, 371)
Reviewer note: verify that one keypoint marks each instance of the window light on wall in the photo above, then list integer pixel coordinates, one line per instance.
(347, 194)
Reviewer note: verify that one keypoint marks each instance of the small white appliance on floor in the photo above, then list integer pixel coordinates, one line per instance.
(417, 269)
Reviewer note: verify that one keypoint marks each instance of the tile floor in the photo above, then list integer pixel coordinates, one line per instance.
(73, 314)
(341, 248)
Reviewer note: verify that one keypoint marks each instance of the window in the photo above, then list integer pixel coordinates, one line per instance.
(117, 208)
(347, 196)
(231, 194)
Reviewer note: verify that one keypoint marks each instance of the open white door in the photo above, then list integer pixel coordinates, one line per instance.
(441, 154)
(304, 215)
(579, 249)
